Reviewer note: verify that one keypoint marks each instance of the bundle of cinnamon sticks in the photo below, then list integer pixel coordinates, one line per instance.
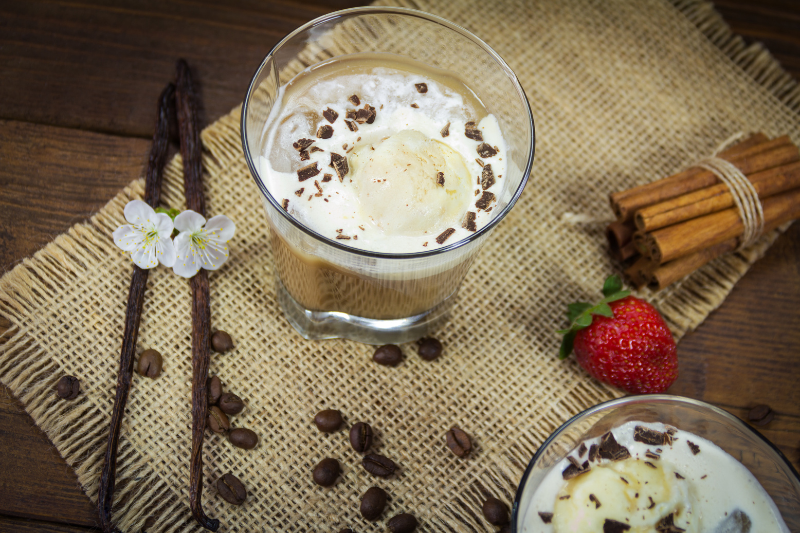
(667, 229)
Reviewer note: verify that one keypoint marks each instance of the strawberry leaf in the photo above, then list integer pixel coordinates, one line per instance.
(574, 310)
(583, 320)
(615, 296)
(604, 310)
(612, 285)
(566, 345)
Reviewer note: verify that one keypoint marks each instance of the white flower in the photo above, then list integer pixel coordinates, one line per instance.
(197, 246)
(147, 237)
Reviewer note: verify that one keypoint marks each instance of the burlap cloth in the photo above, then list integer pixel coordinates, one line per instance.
(622, 93)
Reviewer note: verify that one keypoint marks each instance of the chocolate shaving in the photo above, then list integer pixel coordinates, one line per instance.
(651, 455)
(415, 106)
(285, 204)
(651, 437)
(624, 480)
(352, 126)
(469, 221)
(472, 132)
(365, 114)
(593, 452)
(307, 172)
(350, 114)
(671, 430)
(446, 130)
(485, 199)
(480, 162)
(651, 465)
(595, 501)
(339, 164)
(330, 115)
(425, 243)
(546, 517)
(302, 144)
(489, 210)
(652, 503)
(372, 114)
(582, 449)
(487, 177)
(610, 448)
(319, 188)
(343, 237)
(486, 151)
(612, 526)
(440, 178)
(315, 149)
(304, 155)
(565, 497)
(477, 192)
(325, 132)
(299, 192)
(422, 88)
(694, 447)
(677, 475)
(667, 525)
(574, 469)
(353, 99)
(703, 477)
(326, 178)
(445, 235)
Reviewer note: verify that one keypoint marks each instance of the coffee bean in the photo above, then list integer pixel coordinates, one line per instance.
(458, 441)
(402, 523)
(326, 472)
(231, 489)
(378, 465)
(214, 390)
(243, 438)
(388, 355)
(761, 415)
(230, 404)
(361, 437)
(150, 363)
(429, 348)
(217, 421)
(495, 511)
(221, 341)
(68, 388)
(328, 420)
(372, 503)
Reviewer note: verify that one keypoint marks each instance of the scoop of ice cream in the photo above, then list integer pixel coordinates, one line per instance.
(408, 183)
(634, 492)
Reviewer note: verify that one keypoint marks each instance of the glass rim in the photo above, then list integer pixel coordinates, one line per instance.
(641, 398)
(413, 13)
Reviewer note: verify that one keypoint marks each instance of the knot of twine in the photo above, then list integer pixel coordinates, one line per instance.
(744, 194)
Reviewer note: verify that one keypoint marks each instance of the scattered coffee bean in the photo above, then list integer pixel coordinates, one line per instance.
(761, 415)
(328, 420)
(230, 404)
(361, 437)
(68, 388)
(458, 441)
(378, 465)
(221, 341)
(388, 355)
(372, 503)
(231, 489)
(495, 511)
(402, 523)
(150, 363)
(326, 472)
(243, 438)
(429, 348)
(217, 420)
(214, 390)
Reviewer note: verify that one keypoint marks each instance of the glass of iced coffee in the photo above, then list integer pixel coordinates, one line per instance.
(387, 144)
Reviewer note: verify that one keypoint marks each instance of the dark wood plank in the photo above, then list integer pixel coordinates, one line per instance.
(20, 525)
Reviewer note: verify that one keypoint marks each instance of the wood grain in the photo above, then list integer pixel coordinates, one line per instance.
(20, 525)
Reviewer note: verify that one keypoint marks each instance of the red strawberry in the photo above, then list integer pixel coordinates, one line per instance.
(622, 341)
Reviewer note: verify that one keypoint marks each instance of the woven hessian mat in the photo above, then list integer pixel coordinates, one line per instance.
(622, 93)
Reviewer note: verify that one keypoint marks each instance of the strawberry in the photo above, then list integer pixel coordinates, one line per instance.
(622, 341)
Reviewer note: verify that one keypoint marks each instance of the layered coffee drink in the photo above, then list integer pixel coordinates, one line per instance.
(390, 159)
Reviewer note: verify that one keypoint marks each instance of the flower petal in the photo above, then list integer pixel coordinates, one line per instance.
(163, 225)
(186, 264)
(220, 228)
(127, 237)
(138, 212)
(189, 221)
(145, 256)
(166, 251)
(212, 254)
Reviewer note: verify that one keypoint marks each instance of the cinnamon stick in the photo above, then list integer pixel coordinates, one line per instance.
(761, 157)
(715, 198)
(133, 313)
(619, 236)
(640, 272)
(667, 274)
(201, 310)
(688, 237)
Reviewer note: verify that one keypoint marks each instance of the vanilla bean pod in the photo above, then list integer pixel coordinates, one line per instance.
(201, 310)
(152, 193)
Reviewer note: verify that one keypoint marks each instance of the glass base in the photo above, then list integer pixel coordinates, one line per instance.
(318, 325)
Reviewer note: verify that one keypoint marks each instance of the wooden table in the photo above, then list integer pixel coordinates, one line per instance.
(77, 105)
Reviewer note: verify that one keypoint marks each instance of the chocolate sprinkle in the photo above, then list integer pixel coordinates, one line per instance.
(307, 172)
(469, 221)
(354, 100)
(694, 447)
(582, 449)
(611, 449)
(595, 501)
(339, 164)
(285, 204)
(415, 106)
(677, 475)
(421, 87)
(302, 144)
(446, 130)
(472, 132)
(299, 192)
(352, 126)
(485, 151)
(485, 199)
(326, 178)
(445, 235)
(330, 115)
(546, 517)
(593, 452)
(667, 525)
(612, 526)
(573, 470)
(487, 177)
(325, 132)
(440, 178)
(651, 437)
